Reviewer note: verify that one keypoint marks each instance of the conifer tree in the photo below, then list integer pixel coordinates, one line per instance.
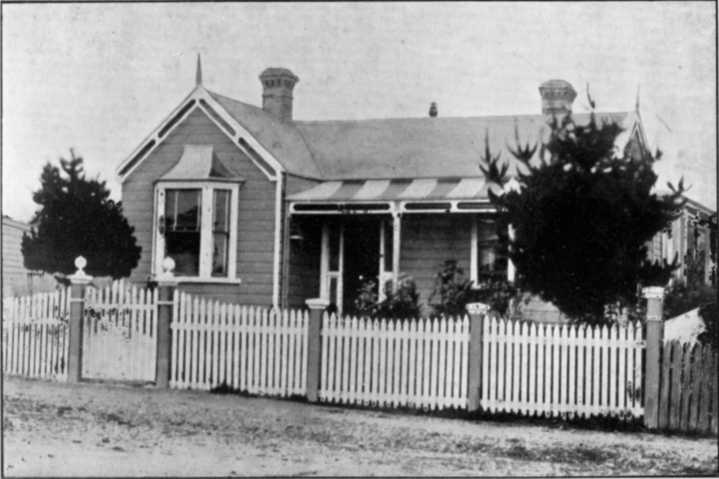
(78, 218)
(582, 213)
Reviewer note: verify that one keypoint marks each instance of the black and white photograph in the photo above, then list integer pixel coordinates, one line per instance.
(359, 239)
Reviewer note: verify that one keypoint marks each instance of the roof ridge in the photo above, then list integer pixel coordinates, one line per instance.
(440, 119)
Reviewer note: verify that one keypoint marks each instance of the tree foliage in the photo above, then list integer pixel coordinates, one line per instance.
(78, 218)
(582, 213)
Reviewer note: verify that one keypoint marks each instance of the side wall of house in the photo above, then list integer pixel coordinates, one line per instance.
(256, 212)
(428, 241)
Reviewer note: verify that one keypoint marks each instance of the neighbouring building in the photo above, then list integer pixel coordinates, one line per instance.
(257, 207)
(16, 279)
(690, 239)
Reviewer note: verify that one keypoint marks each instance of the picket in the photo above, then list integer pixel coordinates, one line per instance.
(415, 363)
(554, 370)
(34, 335)
(688, 392)
(249, 349)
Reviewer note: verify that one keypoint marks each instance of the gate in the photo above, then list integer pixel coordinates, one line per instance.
(120, 333)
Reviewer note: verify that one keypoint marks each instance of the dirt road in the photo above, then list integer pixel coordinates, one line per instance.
(93, 429)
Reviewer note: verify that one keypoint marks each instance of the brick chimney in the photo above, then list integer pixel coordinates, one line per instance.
(557, 98)
(277, 86)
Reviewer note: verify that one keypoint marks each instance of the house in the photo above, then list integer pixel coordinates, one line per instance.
(257, 207)
(689, 238)
(16, 279)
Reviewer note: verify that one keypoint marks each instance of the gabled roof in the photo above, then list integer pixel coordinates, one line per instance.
(281, 139)
(406, 148)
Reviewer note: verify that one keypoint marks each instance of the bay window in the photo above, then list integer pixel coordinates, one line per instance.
(197, 228)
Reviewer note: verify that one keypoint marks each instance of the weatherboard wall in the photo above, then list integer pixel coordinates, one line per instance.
(256, 211)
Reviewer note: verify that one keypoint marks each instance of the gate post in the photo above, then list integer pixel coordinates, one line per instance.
(477, 313)
(78, 284)
(166, 284)
(654, 342)
(314, 329)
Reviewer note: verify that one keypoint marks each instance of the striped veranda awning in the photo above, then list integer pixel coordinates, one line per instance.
(347, 191)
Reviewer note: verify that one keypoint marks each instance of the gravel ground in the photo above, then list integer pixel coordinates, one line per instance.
(98, 429)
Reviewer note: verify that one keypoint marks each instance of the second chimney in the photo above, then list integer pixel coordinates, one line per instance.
(557, 98)
(277, 86)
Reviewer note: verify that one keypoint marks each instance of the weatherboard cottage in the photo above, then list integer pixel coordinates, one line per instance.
(259, 208)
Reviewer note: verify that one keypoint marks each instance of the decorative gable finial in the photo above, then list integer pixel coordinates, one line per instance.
(636, 103)
(198, 72)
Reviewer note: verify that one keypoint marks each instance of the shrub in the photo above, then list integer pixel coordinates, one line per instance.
(452, 289)
(710, 314)
(400, 304)
(498, 293)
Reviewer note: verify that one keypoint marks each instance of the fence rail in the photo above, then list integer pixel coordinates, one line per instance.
(249, 349)
(35, 335)
(555, 370)
(688, 393)
(417, 363)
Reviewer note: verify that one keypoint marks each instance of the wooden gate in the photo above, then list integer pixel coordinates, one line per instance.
(120, 333)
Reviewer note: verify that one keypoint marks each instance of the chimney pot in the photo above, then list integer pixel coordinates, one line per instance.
(433, 109)
(277, 86)
(557, 98)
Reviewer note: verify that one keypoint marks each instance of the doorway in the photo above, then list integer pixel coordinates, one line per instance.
(362, 253)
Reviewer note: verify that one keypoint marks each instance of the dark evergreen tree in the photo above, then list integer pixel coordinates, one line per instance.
(582, 214)
(78, 218)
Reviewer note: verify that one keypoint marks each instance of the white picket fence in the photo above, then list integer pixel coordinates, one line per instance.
(249, 349)
(120, 333)
(555, 370)
(35, 335)
(416, 363)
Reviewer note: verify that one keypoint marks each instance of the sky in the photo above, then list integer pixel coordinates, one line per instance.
(99, 78)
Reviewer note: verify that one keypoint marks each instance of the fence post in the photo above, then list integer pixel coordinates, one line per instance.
(314, 328)
(78, 284)
(654, 342)
(477, 312)
(166, 284)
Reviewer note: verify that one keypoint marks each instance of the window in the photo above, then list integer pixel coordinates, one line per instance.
(486, 261)
(197, 227)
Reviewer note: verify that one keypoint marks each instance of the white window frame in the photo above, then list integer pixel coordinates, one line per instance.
(206, 244)
(474, 254)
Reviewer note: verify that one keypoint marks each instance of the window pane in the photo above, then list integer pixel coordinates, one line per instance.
(388, 249)
(184, 248)
(182, 232)
(219, 254)
(221, 215)
(182, 210)
(487, 259)
(334, 247)
(220, 232)
(486, 231)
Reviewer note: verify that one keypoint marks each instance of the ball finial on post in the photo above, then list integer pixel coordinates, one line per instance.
(168, 265)
(80, 263)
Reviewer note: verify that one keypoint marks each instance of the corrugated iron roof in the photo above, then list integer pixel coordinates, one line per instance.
(409, 148)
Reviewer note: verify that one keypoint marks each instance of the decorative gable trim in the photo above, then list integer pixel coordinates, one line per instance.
(200, 98)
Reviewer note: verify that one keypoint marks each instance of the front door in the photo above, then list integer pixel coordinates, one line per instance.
(361, 257)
